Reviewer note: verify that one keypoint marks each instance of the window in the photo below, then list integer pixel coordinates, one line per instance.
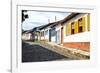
(80, 25)
(72, 28)
(42, 33)
(46, 32)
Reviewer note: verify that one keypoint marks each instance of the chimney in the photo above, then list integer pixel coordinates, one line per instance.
(48, 20)
(55, 18)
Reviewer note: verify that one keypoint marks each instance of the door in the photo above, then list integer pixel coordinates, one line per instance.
(58, 36)
(62, 36)
(49, 35)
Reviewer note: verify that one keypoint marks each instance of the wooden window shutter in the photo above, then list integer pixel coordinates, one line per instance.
(88, 21)
(76, 26)
(84, 23)
(69, 28)
(66, 29)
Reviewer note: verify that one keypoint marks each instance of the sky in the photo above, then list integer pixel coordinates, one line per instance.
(39, 18)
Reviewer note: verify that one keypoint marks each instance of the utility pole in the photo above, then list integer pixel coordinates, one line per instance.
(48, 20)
(55, 18)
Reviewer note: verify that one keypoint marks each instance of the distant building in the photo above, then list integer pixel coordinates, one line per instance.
(45, 33)
(26, 36)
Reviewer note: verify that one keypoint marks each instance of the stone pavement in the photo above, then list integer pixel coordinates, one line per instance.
(72, 53)
(33, 52)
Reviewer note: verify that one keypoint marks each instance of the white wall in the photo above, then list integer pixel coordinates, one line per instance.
(53, 39)
(42, 37)
(26, 36)
(58, 29)
(47, 35)
(80, 37)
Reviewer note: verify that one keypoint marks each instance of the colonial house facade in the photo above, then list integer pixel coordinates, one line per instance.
(76, 33)
(72, 31)
(56, 32)
(26, 36)
(45, 32)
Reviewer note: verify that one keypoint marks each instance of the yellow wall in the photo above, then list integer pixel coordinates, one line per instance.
(68, 25)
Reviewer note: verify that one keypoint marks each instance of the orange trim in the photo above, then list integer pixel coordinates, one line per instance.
(88, 21)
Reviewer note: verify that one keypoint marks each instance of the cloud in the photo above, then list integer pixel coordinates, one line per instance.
(37, 18)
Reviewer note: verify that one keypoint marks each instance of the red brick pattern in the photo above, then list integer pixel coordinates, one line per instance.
(85, 46)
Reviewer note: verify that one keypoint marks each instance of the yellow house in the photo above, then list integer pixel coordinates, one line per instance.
(76, 33)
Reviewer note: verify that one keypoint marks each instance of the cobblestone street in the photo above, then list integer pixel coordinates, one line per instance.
(37, 53)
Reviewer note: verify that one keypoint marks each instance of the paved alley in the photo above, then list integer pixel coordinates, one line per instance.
(37, 53)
